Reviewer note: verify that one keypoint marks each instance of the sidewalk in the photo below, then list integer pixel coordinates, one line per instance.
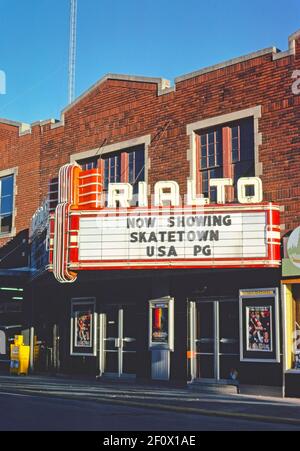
(258, 408)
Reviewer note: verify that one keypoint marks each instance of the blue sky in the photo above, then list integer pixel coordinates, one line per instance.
(161, 38)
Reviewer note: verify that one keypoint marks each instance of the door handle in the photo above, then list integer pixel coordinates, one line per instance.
(205, 340)
(129, 340)
(229, 341)
(117, 342)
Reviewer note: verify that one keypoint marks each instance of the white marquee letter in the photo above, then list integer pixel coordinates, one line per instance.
(296, 84)
(143, 195)
(119, 193)
(172, 197)
(220, 184)
(256, 183)
(192, 198)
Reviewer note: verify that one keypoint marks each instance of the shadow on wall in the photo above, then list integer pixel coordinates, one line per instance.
(15, 253)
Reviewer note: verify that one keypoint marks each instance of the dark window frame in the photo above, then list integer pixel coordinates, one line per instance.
(7, 213)
(228, 162)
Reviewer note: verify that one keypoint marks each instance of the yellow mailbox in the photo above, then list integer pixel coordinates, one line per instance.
(19, 356)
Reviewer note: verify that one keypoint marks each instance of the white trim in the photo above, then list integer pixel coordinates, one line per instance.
(284, 336)
(223, 65)
(96, 201)
(6, 173)
(276, 319)
(110, 148)
(271, 330)
(192, 128)
(177, 210)
(162, 346)
(80, 301)
(172, 264)
(118, 146)
(89, 193)
(88, 176)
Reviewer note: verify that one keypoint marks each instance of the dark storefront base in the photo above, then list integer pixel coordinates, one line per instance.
(50, 307)
(292, 385)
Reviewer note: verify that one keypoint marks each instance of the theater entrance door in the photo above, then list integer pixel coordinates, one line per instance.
(118, 341)
(213, 339)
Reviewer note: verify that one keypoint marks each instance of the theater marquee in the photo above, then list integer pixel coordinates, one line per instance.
(226, 236)
(183, 237)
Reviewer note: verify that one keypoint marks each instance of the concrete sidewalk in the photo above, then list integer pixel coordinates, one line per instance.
(256, 408)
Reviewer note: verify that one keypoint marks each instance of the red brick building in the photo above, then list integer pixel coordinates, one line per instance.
(236, 119)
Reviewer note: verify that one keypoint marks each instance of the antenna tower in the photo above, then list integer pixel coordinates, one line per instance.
(72, 50)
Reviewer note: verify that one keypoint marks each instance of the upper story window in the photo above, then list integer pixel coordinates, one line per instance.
(136, 167)
(225, 151)
(112, 169)
(89, 163)
(123, 166)
(6, 203)
(126, 166)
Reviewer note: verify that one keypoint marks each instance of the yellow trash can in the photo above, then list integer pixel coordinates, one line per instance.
(19, 356)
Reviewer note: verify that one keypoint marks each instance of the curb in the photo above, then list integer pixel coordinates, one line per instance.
(165, 407)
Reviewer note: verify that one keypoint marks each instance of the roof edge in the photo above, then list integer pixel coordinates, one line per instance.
(160, 82)
(227, 63)
(20, 125)
(163, 85)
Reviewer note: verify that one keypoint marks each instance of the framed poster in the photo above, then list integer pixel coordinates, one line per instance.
(161, 324)
(260, 333)
(83, 327)
(259, 324)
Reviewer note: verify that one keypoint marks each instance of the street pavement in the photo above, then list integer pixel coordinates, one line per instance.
(35, 413)
(45, 403)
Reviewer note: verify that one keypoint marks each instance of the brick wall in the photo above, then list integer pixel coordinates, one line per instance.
(116, 110)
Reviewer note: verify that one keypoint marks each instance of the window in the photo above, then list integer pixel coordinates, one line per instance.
(136, 168)
(242, 142)
(127, 166)
(89, 163)
(112, 170)
(124, 166)
(6, 203)
(211, 160)
(226, 151)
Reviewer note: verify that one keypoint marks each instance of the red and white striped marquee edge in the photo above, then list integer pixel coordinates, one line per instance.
(79, 204)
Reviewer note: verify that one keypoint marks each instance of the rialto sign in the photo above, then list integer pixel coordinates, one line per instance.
(84, 235)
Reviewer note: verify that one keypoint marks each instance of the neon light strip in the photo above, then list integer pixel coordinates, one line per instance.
(11, 289)
(62, 213)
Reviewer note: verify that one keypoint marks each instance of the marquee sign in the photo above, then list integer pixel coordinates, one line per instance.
(87, 237)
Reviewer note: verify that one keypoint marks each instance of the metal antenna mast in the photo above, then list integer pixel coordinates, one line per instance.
(72, 50)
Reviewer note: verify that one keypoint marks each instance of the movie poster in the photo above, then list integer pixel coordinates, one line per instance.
(259, 335)
(83, 329)
(160, 324)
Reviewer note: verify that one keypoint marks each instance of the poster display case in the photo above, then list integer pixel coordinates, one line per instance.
(259, 325)
(161, 324)
(83, 327)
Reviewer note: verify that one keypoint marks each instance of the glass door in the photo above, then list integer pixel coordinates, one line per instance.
(117, 341)
(128, 342)
(111, 341)
(213, 339)
(229, 351)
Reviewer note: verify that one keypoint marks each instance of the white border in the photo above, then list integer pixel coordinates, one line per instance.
(251, 295)
(14, 173)
(162, 346)
(81, 301)
(265, 351)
